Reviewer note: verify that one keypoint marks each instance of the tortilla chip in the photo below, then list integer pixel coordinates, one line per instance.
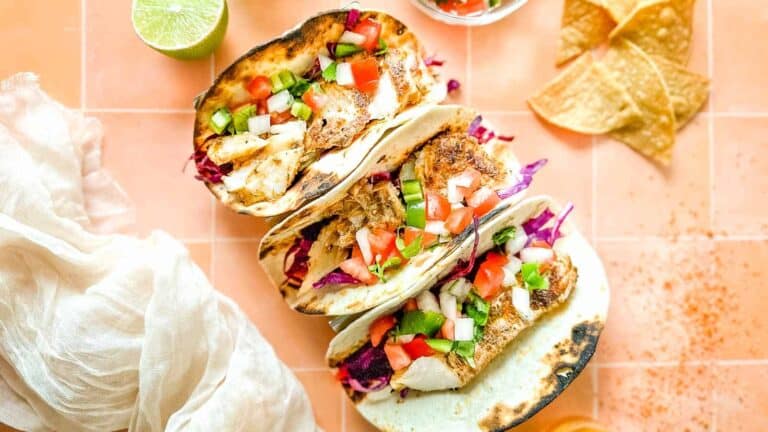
(688, 90)
(584, 98)
(660, 27)
(654, 134)
(585, 25)
(619, 9)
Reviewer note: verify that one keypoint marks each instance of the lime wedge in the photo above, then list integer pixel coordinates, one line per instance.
(182, 29)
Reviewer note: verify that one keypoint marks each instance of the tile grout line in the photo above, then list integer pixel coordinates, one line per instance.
(343, 412)
(677, 363)
(711, 119)
(594, 190)
(212, 234)
(610, 239)
(468, 66)
(595, 389)
(140, 110)
(82, 54)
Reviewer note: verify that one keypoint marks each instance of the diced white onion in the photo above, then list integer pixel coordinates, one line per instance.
(454, 195)
(517, 243)
(437, 228)
(404, 339)
(325, 61)
(349, 37)
(536, 255)
(407, 171)
(459, 288)
(365, 245)
(521, 300)
(344, 74)
(280, 102)
(511, 269)
(464, 329)
(259, 124)
(427, 301)
(448, 305)
(291, 127)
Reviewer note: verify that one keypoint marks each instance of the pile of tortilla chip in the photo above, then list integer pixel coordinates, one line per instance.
(640, 92)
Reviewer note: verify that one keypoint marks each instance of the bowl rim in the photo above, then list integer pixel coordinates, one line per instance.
(428, 7)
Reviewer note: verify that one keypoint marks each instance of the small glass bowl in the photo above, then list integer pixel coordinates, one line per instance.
(430, 8)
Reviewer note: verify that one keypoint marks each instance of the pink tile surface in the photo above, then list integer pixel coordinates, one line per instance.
(685, 247)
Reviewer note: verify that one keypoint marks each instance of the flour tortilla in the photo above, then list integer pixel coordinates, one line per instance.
(527, 375)
(296, 50)
(391, 152)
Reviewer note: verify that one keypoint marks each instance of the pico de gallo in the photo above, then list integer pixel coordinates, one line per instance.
(467, 7)
(389, 218)
(274, 126)
(518, 280)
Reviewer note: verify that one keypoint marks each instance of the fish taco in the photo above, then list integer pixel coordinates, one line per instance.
(414, 198)
(292, 118)
(506, 323)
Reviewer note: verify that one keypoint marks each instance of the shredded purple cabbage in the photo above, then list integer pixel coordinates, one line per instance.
(508, 138)
(463, 268)
(526, 174)
(367, 364)
(379, 177)
(433, 61)
(353, 16)
(331, 49)
(534, 227)
(482, 133)
(336, 277)
(207, 170)
(296, 261)
(371, 386)
(555, 234)
(537, 223)
(314, 72)
(453, 85)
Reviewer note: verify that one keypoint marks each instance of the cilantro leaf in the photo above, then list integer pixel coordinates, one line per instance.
(502, 236)
(532, 278)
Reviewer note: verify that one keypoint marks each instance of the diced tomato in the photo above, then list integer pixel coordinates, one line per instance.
(260, 87)
(382, 242)
(496, 259)
(380, 327)
(411, 233)
(438, 207)
(459, 219)
(488, 279)
(447, 329)
(418, 348)
(463, 7)
(366, 74)
(342, 373)
(471, 177)
(314, 100)
(468, 7)
(356, 268)
(483, 200)
(397, 356)
(277, 118)
(261, 107)
(411, 305)
(371, 30)
(356, 253)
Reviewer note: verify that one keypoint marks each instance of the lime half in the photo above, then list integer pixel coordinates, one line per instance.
(182, 29)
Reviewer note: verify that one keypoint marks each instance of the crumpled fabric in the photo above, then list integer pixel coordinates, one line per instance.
(102, 332)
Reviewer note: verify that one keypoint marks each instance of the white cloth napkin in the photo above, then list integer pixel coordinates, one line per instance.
(102, 332)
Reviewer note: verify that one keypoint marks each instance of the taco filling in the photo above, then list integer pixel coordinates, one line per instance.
(389, 218)
(270, 128)
(442, 337)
